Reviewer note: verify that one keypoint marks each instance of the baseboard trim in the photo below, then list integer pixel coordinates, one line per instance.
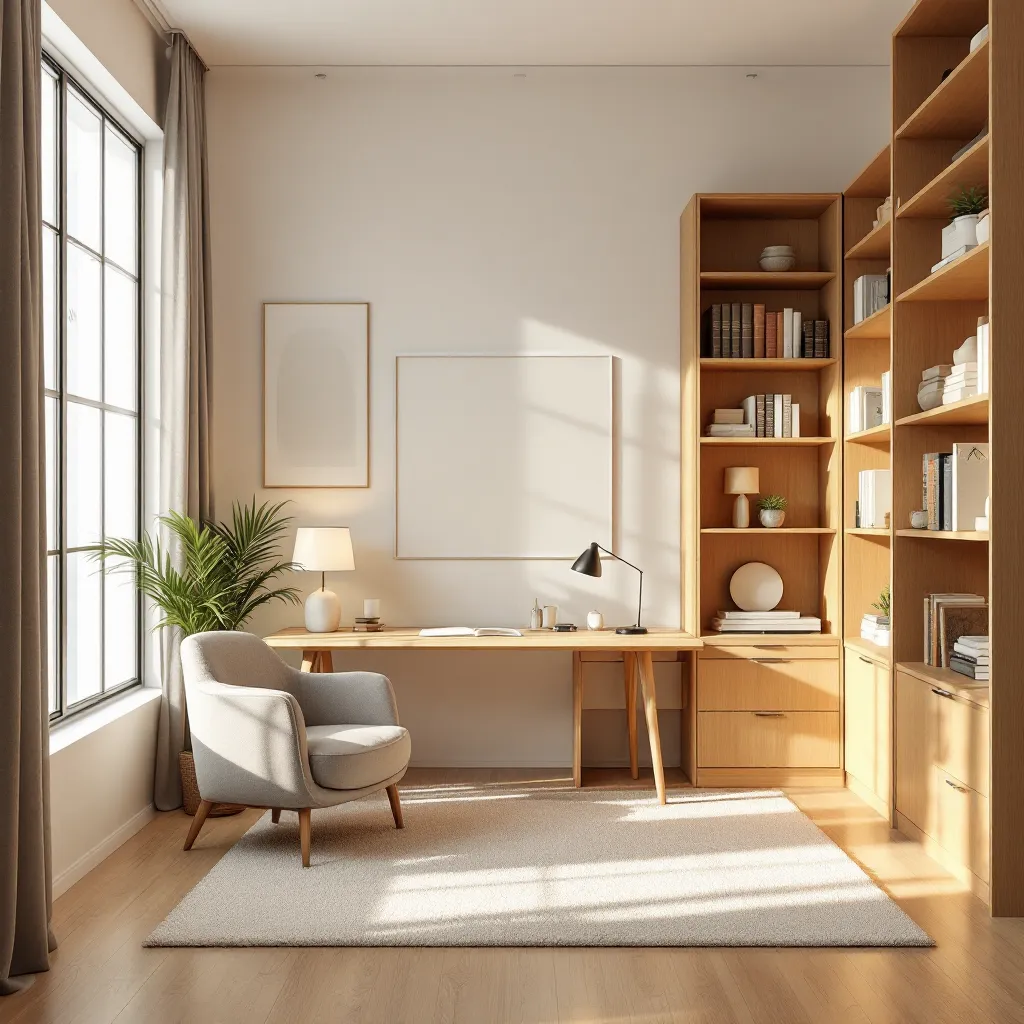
(102, 850)
(869, 796)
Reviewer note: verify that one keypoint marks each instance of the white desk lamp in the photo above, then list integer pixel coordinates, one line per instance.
(323, 549)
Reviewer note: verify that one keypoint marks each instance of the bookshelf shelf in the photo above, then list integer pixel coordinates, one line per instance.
(969, 412)
(874, 180)
(793, 280)
(947, 679)
(970, 170)
(876, 435)
(878, 326)
(864, 531)
(760, 530)
(965, 279)
(869, 648)
(769, 442)
(968, 535)
(757, 365)
(874, 245)
(958, 108)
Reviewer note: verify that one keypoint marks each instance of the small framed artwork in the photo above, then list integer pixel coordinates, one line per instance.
(316, 394)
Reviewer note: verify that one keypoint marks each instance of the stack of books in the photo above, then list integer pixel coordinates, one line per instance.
(971, 658)
(874, 499)
(729, 423)
(765, 622)
(866, 408)
(772, 415)
(961, 382)
(947, 619)
(955, 486)
(870, 294)
(931, 388)
(875, 628)
(747, 330)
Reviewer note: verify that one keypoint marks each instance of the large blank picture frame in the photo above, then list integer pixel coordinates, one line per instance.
(502, 456)
(316, 394)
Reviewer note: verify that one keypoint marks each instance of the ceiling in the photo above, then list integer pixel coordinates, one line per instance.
(537, 32)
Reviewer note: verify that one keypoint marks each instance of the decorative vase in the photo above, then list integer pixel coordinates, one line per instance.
(595, 620)
(982, 230)
(772, 518)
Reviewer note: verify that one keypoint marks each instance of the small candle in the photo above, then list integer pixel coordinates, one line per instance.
(371, 608)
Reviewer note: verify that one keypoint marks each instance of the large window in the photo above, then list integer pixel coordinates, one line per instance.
(92, 367)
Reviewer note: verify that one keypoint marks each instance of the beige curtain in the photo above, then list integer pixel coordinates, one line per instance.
(25, 936)
(185, 338)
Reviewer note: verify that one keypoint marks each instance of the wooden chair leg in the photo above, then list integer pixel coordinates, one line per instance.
(396, 805)
(304, 834)
(197, 822)
(275, 814)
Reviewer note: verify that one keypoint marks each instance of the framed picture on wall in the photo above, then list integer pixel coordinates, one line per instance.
(316, 394)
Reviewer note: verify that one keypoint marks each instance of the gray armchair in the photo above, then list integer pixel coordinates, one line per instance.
(267, 735)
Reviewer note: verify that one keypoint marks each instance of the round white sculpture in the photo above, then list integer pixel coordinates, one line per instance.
(756, 587)
(323, 611)
(595, 620)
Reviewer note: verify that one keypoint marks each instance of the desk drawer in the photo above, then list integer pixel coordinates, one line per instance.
(768, 739)
(961, 817)
(768, 683)
(824, 652)
(962, 746)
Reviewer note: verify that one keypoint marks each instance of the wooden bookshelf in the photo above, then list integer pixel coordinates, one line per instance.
(873, 435)
(761, 365)
(965, 279)
(969, 171)
(967, 412)
(944, 535)
(876, 327)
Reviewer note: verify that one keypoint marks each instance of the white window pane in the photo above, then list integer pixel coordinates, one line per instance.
(119, 207)
(84, 324)
(120, 485)
(84, 139)
(52, 471)
(120, 630)
(120, 332)
(49, 146)
(50, 309)
(52, 624)
(84, 625)
(84, 475)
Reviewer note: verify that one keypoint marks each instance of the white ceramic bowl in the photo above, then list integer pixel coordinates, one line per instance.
(774, 264)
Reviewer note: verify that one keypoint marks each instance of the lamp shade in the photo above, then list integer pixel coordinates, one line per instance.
(589, 563)
(742, 480)
(324, 548)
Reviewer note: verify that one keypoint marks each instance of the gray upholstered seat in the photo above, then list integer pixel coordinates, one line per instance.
(267, 735)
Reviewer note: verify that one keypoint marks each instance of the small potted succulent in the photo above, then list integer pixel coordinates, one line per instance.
(966, 207)
(772, 510)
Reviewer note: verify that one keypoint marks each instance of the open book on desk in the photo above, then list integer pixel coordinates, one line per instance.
(469, 631)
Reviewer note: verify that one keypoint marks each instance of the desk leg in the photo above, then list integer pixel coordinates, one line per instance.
(577, 719)
(310, 660)
(646, 665)
(629, 671)
(326, 662)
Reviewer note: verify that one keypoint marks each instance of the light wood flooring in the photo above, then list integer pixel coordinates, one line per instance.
(101, 973)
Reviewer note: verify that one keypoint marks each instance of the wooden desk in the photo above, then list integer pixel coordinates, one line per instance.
(637, 659)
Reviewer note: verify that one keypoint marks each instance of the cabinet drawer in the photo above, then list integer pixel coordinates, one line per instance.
(867, 716)
(768, 683)
(916, 744)
(962, 745)
(740, 651)
(779, 739)
(961, 816)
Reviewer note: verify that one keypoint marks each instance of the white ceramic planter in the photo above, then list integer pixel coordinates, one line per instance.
(772, 518)
(982, 230)
(962, 231)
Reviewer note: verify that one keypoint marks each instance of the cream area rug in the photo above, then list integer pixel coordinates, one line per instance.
(482, 866)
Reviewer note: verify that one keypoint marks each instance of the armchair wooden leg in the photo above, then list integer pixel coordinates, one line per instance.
(396, 806)
(275, 814)
(304, 834)
(197, 822)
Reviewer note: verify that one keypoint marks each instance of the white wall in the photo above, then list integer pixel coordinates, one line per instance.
(481, 212)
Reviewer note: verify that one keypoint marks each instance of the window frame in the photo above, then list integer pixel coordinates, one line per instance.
(64, 78)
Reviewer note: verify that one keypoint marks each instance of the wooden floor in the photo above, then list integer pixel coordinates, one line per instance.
(101, 972)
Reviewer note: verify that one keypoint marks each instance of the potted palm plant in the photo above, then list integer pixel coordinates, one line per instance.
(228, 570)
(966, 206)
(772, 510)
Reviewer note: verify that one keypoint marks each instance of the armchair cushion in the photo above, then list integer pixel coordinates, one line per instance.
(356, 756)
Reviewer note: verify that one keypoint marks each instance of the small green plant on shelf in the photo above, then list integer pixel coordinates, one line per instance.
(882, 604)
(772, 510)
(968, 202)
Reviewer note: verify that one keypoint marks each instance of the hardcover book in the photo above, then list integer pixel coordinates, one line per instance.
(957, 620)
(726, 330)
(771, 335)
(747, 330)
(759, 330)
(736, 323)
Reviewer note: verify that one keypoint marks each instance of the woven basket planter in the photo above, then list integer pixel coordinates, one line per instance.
(190, 797)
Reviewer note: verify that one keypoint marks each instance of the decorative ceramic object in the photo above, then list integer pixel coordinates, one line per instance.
(772, 518)
(983, 229)
(775, 264)
(755, 587)
(536, 616)
(967, 352)
(741, 481)
(919, 519)
(929, 401)
(550, 616)
(595, 620)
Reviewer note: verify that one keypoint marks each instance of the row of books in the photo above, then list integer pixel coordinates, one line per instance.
(870, 294)
(876, 628)
(955, 487)
(765, 622)
(747, 330)
(971, 657)
(874, 499)
(869, 406)
(947, 619)
(760, 416)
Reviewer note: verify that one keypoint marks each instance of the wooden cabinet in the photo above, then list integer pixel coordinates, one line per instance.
(961, 822)
(867, 710)
(768, 683)
(768, 739)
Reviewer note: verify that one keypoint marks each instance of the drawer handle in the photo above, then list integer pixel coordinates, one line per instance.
(953, 785)
(772, 661)
(770, 714)
(867, 661)
(942, 693)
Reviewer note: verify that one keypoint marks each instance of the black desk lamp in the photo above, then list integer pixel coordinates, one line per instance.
(589, 563)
